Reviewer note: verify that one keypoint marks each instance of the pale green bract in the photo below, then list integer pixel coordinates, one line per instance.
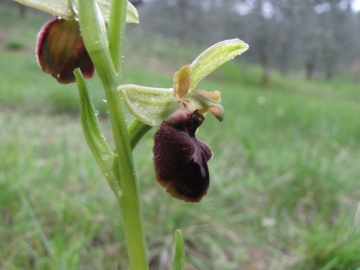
(67, 9)
(214, 57)
(150, 105)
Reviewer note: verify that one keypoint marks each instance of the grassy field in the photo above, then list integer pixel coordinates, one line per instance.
(285, 176)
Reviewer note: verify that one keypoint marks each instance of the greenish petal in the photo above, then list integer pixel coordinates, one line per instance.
(150, 105)
(67, 9)
(214, 57)
(196, 101)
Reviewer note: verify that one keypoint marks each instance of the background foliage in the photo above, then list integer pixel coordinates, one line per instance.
(284, 190)
(319, 38)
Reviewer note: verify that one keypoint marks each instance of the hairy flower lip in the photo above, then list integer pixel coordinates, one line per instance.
(180, 159)
(60, 50)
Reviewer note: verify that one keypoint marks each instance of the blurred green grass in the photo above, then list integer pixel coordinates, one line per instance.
(285, 174)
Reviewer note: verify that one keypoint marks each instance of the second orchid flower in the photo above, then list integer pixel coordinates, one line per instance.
(180, 159)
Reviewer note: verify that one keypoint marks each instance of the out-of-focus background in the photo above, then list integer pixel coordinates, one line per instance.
(285, 176)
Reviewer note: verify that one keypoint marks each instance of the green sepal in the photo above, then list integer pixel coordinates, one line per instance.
(94, 136)
(150, 105)
(179, 257)
(132, 15)
(61, 8)
(68, 9)
(214, 57)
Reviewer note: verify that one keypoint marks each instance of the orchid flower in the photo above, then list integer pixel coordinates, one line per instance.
(60, 48)
(180, 158)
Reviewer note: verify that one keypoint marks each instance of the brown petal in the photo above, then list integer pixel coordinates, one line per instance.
(181, 159)
(182, 82)
(60, 49)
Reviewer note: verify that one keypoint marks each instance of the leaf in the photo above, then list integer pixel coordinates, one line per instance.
(94, 136)
(150, 105)
(68, 9)
(214, 57)
(179, 258)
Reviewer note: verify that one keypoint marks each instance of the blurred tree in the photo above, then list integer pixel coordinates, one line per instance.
(316, 37)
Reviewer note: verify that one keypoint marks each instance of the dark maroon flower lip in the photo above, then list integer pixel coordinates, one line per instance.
(181, 159)
(60, 50)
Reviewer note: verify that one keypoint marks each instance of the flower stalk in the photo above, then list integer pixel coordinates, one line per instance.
(108, 62)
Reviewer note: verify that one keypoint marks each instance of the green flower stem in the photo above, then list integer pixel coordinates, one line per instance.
(129, 201)
(137, 130)
(94, 35)
(94, 136)
(116, 33)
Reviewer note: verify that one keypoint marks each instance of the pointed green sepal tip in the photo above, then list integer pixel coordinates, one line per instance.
(214, 57)
(150, 105)
(179, 257)
(68, 9)
(132, 15)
